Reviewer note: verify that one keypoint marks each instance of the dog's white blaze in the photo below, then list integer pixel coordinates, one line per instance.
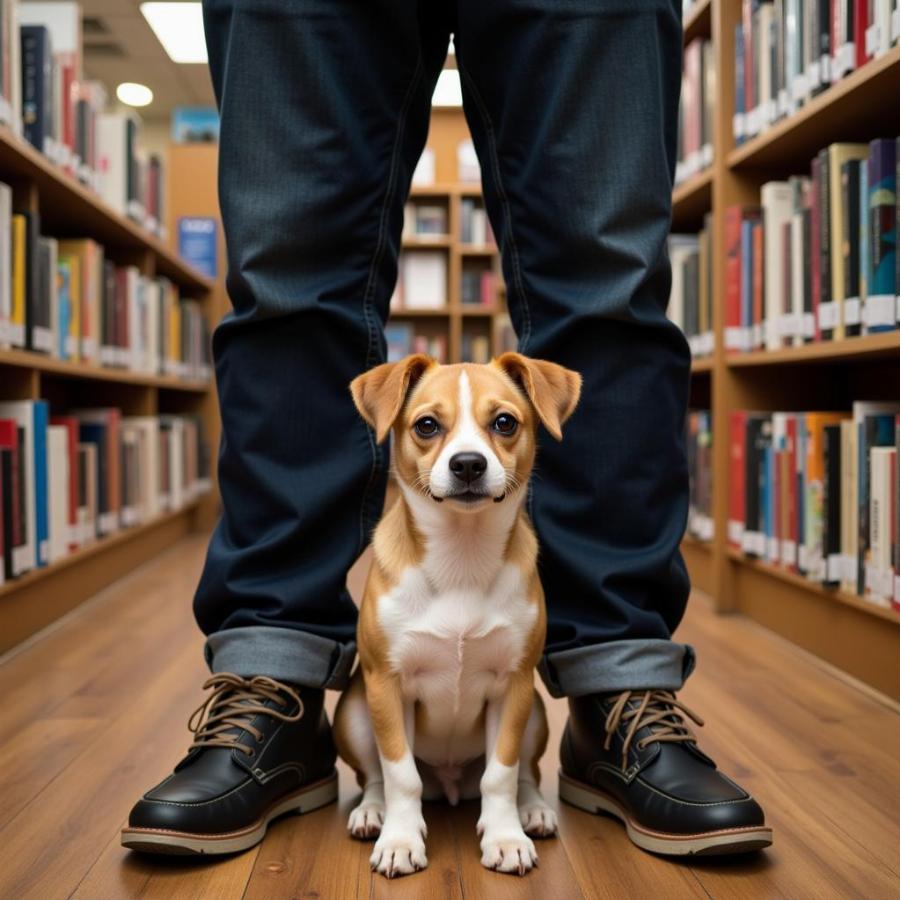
(467, 439)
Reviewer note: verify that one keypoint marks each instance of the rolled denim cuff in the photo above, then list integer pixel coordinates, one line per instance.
(281, 653)
(617, 666)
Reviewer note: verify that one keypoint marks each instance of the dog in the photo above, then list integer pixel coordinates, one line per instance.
(452, 621)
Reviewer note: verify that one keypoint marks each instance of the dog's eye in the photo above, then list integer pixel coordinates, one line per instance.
(505, 424)
(426, 427)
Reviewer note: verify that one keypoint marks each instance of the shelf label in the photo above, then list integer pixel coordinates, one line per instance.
(850, 568)
(828, 317)
(772, 549)
(873, 37)
(799, 88)
(789, 325)
(852, 311)
(756, 335)
(879, 310)
(706, 155)
(42, 338)
(825, 68)
(844, 60)
(734, 338)
(809, 325)
(897, 588)
(895, 25)
(814, 74)
(834, 567)
(106, 523)
(789, 552)
(735, 532)
(738, 125)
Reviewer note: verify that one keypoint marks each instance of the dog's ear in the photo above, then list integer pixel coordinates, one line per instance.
(379, 394)
(552, 389)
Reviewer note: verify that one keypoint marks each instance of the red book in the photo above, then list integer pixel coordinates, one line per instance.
(860, 24)
(758, 270)
(70, 423)
(737, 434)
(733, 219)
(9, 440)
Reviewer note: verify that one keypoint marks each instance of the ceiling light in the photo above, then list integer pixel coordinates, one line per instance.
(179, 28)
(133, 94)
(447, 91)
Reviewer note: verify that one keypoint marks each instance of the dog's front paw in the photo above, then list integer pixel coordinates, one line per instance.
(538, 819)
(366, 820)
(399, 853)
(508, 852)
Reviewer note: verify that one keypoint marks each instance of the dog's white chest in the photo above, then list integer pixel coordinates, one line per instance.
(455, 649)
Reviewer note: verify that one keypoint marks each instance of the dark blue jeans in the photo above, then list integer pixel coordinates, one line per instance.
(325, 104)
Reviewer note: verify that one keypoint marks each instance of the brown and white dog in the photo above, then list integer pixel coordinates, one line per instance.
(452, 621)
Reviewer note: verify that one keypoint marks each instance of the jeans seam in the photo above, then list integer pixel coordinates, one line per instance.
(369, 293)
(504, 202)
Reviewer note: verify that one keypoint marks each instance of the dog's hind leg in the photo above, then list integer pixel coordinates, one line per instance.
(537, 817)
(355, 742)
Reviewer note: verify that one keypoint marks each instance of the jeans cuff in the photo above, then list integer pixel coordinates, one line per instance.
(617, 666)
(281, 653)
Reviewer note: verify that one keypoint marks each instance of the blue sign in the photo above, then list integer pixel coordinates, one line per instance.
(197, 243)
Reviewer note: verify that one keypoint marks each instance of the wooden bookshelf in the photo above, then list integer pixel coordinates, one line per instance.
(457, 316)
(68, 209)
(846, 630)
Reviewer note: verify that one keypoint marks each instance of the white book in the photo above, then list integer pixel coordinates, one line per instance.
(148, 429)
(425, 279)
(777, 206)
(22, 411)
(133, 289)
(58, 492)
(879, 572)
(113, 161)
(849, 494)
(681, 247)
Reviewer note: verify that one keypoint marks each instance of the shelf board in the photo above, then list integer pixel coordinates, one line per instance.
(698, 21)
(691, 200)
(478, 249)
(476, 311)
(858, 107)
(827, 594)
(702, 364)
(68, 208)
(27, 359)
(885, 343)
(98, 546)
(419, 313)
(424, 242)
(696, 544)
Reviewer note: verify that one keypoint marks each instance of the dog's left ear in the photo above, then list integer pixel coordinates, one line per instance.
(552, 389)
(379, 394)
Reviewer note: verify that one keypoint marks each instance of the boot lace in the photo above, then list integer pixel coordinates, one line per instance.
(660, 711)
(232, 706)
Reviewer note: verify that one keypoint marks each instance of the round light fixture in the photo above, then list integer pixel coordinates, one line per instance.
(133, 94)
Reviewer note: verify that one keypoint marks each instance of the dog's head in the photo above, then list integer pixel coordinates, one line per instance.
(466, 433)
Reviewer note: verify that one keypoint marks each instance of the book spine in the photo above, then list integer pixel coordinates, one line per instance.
(825, 318)
(882, 236)
(41, 499)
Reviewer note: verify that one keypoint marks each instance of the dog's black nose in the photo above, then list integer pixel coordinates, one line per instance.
(468, 467)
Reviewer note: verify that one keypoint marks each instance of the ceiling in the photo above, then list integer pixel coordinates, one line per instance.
(119, 46)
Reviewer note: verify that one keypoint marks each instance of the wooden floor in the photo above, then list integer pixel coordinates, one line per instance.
(93, 712)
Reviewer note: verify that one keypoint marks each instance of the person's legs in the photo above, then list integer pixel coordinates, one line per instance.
(324, 112)
(573, 106)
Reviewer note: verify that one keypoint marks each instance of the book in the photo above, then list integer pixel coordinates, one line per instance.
(26, 555)
(880, 308)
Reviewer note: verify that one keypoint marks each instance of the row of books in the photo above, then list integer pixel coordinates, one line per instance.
(789, 51)
(45, 100)
(423, 220)
(700, 468)
(690, 301)
(476, 348)
(816, 493)
(474, 224)
(817, 260)
(62, 297)
(402, 339)
(697, 110)
(479, 287)
(421, 281)
(67, 480)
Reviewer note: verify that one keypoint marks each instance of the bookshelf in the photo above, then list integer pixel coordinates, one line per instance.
(67, 209)
(456, 318)
(845, 630)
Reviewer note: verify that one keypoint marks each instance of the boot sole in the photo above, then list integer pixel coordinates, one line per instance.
(707, 843)
(183, 843)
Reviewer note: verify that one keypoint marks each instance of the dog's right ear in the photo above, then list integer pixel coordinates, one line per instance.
(379, 394)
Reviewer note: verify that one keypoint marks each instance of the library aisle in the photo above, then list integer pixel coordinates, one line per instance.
(95, 709)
